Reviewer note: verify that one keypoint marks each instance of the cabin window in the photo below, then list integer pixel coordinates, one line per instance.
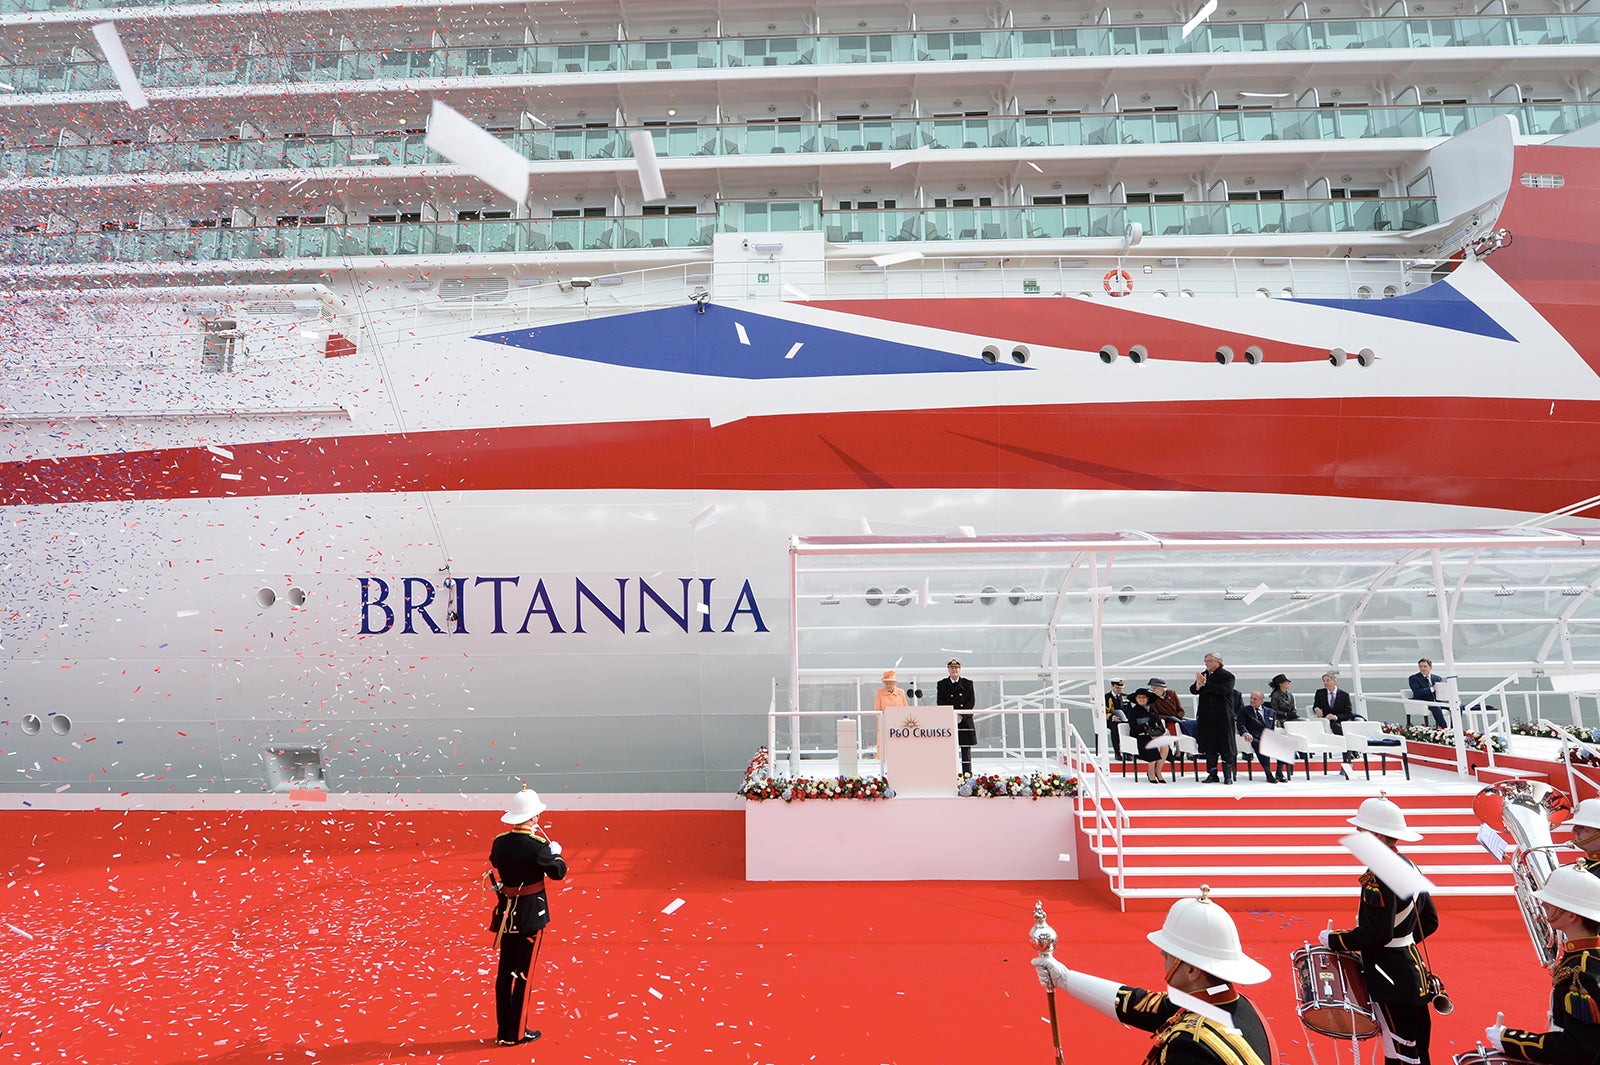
(1542, 181)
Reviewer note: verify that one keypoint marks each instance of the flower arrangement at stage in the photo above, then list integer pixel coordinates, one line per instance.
(1445, 737)
(1590, 736)
(759, 784)
(1035, 785)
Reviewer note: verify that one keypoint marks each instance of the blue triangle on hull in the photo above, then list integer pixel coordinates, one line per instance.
(680, 340)
(1437, 305)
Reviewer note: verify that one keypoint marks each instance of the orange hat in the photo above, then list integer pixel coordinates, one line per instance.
(888, 674)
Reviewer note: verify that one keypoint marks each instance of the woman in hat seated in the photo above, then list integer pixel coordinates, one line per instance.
(1144, 725)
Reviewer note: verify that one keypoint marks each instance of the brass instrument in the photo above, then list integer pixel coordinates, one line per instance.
(1526, 810)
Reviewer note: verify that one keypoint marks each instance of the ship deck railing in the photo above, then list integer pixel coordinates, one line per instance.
(314, 238)
(398, 63)
(1017, 132)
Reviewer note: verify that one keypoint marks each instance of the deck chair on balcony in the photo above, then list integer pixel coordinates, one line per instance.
(1367, 738)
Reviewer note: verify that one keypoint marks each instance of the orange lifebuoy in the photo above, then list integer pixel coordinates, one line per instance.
(1118, 282)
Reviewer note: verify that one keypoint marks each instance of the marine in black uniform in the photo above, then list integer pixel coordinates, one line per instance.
(956, 690)
(1572, 906)
(522, 859)
(1202, 957)
(1386, 935)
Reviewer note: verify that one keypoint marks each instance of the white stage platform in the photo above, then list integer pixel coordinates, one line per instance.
(950, 838)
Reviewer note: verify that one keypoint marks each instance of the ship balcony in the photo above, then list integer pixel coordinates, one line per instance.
(555, 146)
(1012, 225)
(1010, 46)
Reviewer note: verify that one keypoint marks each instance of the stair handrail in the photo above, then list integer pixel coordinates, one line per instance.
(1570, 743)
(1502, 721)
(1092, 785)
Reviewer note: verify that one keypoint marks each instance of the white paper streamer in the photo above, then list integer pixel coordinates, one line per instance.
(1400, 875)
(644, 158)
(117, 58)
(475, 150)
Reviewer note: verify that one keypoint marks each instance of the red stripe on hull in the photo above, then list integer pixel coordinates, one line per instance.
(1079, 324)
(1511, 454)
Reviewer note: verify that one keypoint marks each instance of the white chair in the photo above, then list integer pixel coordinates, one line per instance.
(1313, 737)
(1368, 738)
(1127, 745)
(1190, 749)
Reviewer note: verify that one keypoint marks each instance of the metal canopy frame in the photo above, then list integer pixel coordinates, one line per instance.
(1074, 609)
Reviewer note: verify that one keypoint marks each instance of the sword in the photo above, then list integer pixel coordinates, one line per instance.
(1043, 938)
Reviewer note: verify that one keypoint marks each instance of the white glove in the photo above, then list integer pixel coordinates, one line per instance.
(1052, 974)
(555, 849)
(1491, 1037)
(1324, 936)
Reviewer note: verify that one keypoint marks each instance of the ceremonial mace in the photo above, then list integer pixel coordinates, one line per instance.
(1043, 938)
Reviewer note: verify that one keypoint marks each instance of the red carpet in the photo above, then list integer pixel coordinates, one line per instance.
(246, 938)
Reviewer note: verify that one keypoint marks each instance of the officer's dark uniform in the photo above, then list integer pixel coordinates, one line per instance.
(1590, 865)
(1184, 1038)
(1386, 933)
(521, 862)
(1574, 1012)
(959, 694)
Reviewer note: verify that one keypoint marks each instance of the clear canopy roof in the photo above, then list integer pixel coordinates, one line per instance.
(1073, 610)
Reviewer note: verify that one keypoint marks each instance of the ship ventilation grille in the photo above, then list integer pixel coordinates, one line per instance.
(474, 289)
(294, 769)
(1543, 181)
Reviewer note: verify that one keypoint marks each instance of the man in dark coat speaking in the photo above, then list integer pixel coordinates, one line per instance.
(1214, 725)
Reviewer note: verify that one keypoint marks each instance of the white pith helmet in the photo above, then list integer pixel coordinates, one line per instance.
(1200, 932)
(1572, 889)
(524, 806)
(1587, 813)
(1382, 816)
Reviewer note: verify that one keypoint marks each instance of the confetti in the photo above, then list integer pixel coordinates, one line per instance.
(644, 159)
(672, 907)
(1399, 875)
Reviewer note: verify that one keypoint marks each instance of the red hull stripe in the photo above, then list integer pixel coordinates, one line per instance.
(1472, 452)
(1081, 324)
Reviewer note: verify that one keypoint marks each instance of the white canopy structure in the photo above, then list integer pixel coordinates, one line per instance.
(1051, 618)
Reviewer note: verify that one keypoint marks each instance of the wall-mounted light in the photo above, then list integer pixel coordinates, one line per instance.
(1502, 592)
(528, 282)
(972, 264)
(768, 247)
(1166, 597)
(420, 285)
(1297, 596)
(609, 281)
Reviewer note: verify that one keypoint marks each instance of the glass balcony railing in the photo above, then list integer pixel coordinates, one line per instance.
(403, 64)
(1028, 131)
(204, 244)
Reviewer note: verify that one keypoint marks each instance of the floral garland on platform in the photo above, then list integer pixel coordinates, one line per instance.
(760, 784)
(1445, 737)
(1036, 785)
(1577, 732)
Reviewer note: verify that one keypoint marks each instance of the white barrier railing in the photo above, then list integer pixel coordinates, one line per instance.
(1097, 804)
(1027, 734)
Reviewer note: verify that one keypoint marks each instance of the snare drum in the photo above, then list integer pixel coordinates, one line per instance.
(1483, 1056)
(1330, 995)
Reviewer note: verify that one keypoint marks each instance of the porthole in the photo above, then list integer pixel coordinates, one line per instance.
(60, 724)
(1364, 292)
(874, 596)
(1224, 355)
(1108, 354)
(988, 594)
(266, 597)
(1336, 357)
(1254, 355)
(1137, 354)
(1019, 355)
(31, 724)
(902, 596)
(991, 354)
(1390, 292)
(297, 597)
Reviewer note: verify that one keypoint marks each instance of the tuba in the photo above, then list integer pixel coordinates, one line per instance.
(1526, 810)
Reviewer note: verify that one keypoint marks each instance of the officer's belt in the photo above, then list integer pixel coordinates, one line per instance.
(524, 889)
(1402, 941)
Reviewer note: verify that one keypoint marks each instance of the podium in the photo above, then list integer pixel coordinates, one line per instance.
(918, 747)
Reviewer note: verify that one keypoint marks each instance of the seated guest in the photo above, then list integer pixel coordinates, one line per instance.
(1144, 724)
(1254, 720)
(1281, 699)
(1334, 707)
(1422, 685)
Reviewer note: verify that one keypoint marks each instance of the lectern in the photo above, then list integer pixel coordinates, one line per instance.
(920, 756)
